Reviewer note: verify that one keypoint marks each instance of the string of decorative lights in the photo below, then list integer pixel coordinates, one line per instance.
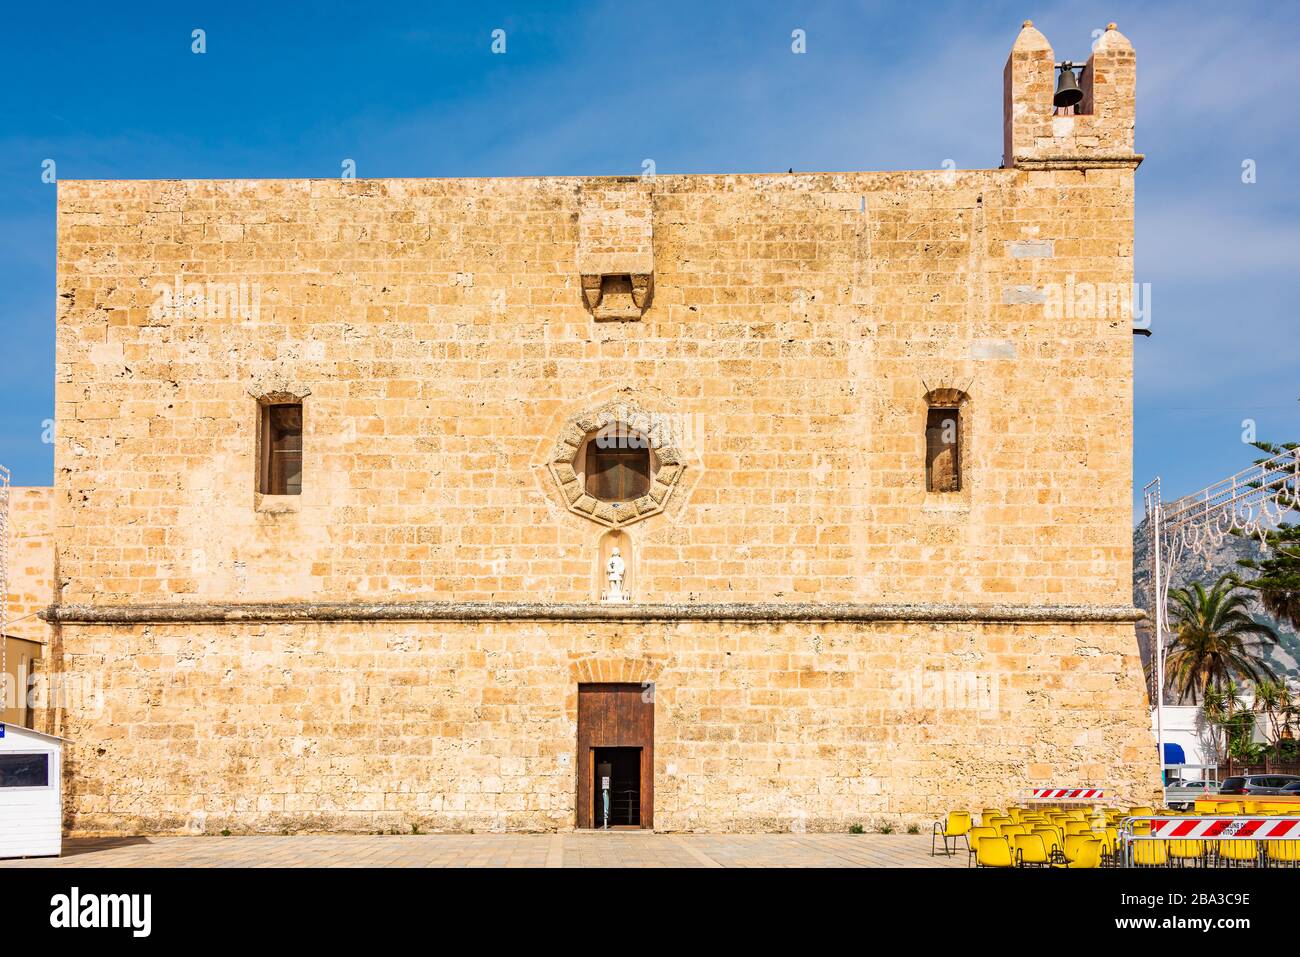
(1252, 502)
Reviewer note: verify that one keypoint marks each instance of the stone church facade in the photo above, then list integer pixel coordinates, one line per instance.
(341, 466)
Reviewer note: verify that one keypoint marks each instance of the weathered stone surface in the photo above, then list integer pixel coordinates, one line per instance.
(402, 647)
(759, 726)
(281, 611)
(431, 408)
(31, 561)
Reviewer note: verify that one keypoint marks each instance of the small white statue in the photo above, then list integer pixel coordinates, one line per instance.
(614, 570)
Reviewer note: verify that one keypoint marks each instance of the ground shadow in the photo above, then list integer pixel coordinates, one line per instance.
(74, 846)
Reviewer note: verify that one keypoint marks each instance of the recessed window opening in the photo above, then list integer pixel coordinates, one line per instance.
(943, 450)
(619, 464)
(280, 468)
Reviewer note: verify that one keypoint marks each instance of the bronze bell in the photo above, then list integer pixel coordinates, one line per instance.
(1067, 87)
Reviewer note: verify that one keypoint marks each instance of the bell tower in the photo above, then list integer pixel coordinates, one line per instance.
(1100, 131)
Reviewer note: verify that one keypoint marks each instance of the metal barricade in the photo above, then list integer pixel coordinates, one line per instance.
(1257, 840)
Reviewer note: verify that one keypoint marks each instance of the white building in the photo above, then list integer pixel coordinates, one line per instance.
(31, 793)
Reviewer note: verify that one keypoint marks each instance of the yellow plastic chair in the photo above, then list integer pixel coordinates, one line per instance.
(1110, 846)
(1077, 827)
(1107, 836)
(1053, 832)
(1032, 850)
(1074, 844)
(1141, 811)
(994, 852)
(1086, 855)
(1150, 854)
(1238, 853)
(951, 829)
(1009, 831)
(990, 812)
(1184, 850)
(974, 836)
(1283, 853)
(1077, 814)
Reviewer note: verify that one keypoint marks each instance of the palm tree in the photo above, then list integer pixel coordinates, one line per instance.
(1220, 710)
(1216, 642)
(1273, 701)
(1278, 578)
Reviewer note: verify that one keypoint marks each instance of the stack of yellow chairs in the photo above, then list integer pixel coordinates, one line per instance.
(1238, 853)
(1019, 836)
(1029, 837)
(1189, 853)
(1282, 853)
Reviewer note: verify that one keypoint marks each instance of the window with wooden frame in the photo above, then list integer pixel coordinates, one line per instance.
(619, 464)
(943, 450)
(280, 444)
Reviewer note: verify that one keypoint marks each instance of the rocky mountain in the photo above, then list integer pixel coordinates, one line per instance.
(1285, 656)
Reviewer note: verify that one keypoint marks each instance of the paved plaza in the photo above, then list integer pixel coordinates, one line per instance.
(580, 849)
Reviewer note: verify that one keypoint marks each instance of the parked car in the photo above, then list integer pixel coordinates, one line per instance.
(1292, 788)
(1258, 784)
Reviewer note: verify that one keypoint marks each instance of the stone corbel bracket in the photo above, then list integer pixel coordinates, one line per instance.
(617, 295)
(565, 468)
(616, 246)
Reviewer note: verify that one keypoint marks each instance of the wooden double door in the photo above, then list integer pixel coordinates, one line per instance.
(616, 725)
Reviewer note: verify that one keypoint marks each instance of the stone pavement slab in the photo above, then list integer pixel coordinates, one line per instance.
(574, 849)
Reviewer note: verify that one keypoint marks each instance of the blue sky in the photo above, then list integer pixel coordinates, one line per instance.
(412, 89)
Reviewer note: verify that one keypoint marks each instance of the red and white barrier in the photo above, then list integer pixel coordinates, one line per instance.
(1067, 794)
(1257, 828)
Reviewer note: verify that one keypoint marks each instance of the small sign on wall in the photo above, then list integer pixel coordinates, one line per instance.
(2, 730)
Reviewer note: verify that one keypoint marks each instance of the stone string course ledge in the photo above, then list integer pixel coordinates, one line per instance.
(216, 613)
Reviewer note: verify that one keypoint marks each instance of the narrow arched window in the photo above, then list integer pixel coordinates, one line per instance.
(943, 450)
(944, 440)
(619, 464)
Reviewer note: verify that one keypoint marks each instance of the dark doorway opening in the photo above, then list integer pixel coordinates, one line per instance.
(616, 734)
(623, 768)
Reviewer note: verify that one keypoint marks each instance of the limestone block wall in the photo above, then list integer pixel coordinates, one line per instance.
(31, 561)
(471, 725)
(438, 332)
